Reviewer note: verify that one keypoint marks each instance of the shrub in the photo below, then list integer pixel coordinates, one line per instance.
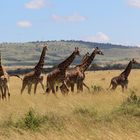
(31, 121)
(131, 106)
(34, 121)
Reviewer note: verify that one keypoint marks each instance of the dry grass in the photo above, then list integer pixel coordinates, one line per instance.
(76, 116)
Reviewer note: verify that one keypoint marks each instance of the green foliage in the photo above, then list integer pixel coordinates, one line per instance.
(131, 106)
(31, 121)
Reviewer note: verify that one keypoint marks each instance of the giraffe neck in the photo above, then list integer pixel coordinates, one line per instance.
(40, 64)
(127, 70)
(0, 59)
(84, 66)
(2, 70)
(66, 63)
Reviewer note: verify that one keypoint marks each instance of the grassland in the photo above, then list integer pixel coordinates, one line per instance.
(103, 115)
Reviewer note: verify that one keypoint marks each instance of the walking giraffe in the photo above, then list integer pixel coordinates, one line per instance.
(4, 80)
(34, 77)
(58, 74)
(76, 75)
(122, 79)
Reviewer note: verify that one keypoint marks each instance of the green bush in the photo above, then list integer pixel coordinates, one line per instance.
(131, 106)
(31, 121)
(34, 121)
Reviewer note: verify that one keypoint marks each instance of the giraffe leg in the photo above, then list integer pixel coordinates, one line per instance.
(29, 88)
(64, 89)
(23, 86)
(114, 86)
(79, 86)
(57, 88)
(86, 86)
(72, 87)
(42, 86)
(53, 90)
(8, 90)
(48, 89)
(122, 88)
(35, 87)
(50, 86)
(1, 92)
(4, 93)
(126, 86)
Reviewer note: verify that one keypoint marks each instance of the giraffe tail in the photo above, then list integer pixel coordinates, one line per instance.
(16, 76)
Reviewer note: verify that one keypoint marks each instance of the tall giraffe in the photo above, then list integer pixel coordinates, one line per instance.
(58, 74)
(77, 74)
(122, 79)
(33, 77)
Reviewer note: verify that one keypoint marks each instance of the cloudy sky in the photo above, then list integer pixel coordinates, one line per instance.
(113, 21)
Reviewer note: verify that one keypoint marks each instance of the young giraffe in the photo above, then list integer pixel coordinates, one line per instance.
(76, 75)
(58, 74)
(122, 79)
(33, 77)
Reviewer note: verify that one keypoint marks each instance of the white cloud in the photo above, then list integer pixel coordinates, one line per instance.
(24, 24)
(134, 3)
(71, 18)
(99, 37)
(35, 4)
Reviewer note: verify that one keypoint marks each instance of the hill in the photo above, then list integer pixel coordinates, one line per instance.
(27, 54)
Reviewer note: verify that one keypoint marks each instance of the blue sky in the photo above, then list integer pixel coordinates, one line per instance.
(113, 21)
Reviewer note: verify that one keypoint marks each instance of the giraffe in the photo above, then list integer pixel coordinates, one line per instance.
(76, 75)
(33, 77)
(58, 74)
(122, 79)
(4, 80)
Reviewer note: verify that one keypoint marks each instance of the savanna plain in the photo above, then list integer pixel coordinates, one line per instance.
(100, 114)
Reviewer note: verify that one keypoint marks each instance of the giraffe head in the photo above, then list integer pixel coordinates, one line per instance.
(98, 51)
(133, 61)
(76, 51)
(45, 46)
